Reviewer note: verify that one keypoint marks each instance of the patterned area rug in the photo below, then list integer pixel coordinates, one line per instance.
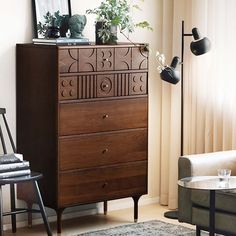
(149, 228)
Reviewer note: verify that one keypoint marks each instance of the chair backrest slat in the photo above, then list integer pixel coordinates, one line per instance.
(3, 141)
(9, 133)
(3, 112)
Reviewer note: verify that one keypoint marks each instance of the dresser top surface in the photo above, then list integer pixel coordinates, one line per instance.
(122, 44)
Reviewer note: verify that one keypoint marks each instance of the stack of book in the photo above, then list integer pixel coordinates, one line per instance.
(12, 165)
(62, 41)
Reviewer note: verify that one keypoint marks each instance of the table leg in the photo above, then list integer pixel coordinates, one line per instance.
(212, 213)
(198, 231)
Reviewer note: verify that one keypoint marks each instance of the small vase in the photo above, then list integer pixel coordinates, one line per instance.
(53, 32)
(113, 29)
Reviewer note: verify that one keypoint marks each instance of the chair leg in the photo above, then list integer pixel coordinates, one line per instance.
(1, 212)
(42, 209)
(13, 207)
(29, 206)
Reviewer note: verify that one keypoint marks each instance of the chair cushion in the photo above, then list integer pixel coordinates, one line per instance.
(225, 200)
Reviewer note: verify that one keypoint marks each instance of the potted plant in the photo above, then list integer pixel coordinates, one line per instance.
(113, 15)
(54, 25)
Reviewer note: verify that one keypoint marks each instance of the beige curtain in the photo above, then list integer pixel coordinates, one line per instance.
(170, 114)
(209, 86)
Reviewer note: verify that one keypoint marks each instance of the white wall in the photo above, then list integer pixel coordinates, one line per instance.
(16, 27)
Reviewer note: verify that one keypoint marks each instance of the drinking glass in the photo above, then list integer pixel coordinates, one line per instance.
(224, 174)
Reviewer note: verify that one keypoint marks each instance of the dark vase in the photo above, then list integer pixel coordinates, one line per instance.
(53, 32)
(98, 26)
(64, 26)
(112, 40)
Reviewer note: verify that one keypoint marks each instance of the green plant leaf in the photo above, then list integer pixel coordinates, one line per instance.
(116, 12)
(144, 24)
(137, 7)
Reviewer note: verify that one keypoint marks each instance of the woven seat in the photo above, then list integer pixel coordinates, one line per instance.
(33, 177)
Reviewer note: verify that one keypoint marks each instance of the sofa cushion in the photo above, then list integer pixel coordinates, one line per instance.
(225, 200)
(223, 221)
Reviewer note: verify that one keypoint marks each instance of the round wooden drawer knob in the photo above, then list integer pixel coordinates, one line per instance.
(105, 86)
(105, 150)
(105, 185)
(105, 116)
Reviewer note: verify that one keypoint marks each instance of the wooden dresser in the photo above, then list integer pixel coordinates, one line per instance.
(82, 120)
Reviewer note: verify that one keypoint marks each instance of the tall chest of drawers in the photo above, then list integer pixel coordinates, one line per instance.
(82, 120)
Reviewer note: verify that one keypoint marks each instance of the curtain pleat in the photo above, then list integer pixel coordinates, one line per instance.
(209, 87)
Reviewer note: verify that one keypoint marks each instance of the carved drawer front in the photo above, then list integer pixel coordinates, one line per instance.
(68, 88)
(139, 59)
(68, 60)
(105, 86)
(107, 148)
(104, 183)
(88, 117)
(123, 58)
(105, 59)
(96, 86)
(87, 60)
(138, 83)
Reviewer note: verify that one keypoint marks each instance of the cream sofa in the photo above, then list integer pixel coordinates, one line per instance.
(194, 204)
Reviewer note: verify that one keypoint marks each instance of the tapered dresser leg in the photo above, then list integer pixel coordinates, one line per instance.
(136, 198)
(105, 207)
(59, 223)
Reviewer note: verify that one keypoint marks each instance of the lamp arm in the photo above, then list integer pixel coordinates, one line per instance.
(187, 34)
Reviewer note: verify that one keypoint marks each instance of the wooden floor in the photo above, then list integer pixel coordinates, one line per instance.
(95, 222)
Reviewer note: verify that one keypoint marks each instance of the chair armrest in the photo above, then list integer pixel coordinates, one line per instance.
(200, 165)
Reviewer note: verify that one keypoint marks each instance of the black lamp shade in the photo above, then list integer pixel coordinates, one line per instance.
(169, 74)
(201, 45)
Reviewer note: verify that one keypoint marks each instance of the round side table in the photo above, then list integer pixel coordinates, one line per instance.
(211, 183)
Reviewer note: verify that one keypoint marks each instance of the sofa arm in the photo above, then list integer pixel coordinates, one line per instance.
(200, 165)
(207, 163)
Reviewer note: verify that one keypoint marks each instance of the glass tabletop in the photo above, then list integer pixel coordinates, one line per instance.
(208, 183)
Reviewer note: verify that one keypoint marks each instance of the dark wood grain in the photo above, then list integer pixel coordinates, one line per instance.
(82, 121)
(36, 113)
(89, 117)
(101, 149)
(105, 183)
